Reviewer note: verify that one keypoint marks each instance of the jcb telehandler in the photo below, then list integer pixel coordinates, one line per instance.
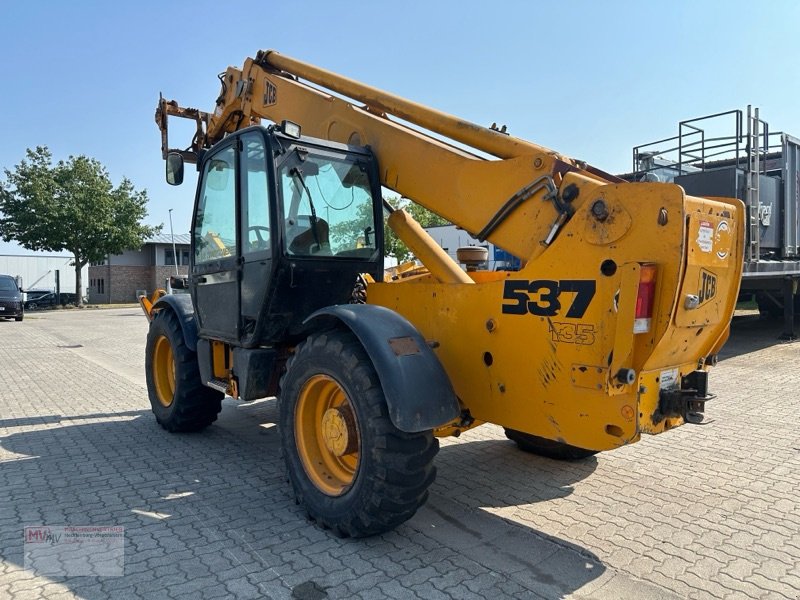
(606, 332)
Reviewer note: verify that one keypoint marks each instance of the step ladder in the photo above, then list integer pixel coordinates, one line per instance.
(752, 197)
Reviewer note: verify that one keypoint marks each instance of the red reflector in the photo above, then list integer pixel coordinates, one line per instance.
(645, 299)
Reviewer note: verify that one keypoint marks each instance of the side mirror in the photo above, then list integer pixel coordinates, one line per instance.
(174, 168)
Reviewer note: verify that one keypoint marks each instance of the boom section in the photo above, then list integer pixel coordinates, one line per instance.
(509, 191)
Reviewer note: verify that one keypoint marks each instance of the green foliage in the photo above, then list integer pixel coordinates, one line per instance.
(71, 206)
(394, 246)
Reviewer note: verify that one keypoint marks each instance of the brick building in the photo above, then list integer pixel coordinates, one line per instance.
(120, 278)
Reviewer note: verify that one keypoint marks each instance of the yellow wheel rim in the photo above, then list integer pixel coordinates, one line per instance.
(164, 371)
(326, 434)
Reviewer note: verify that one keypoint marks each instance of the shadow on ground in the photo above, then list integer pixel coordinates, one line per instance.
(214, 509)
(751, 333)
(497, 474)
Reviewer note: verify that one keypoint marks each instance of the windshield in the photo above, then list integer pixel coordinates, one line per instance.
(7, 285)
(327, 207)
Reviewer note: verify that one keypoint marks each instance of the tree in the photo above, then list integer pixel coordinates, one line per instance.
(71, 206)
(394, 245)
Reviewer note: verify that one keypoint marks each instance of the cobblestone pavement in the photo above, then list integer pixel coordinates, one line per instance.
(700, 512)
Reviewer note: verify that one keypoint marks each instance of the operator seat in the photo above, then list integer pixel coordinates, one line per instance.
(302, 238)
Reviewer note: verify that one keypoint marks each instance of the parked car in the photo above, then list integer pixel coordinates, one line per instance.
(11, 305)
(33, 294)
(49, 300)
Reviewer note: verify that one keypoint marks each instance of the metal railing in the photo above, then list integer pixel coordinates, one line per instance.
(695, 148)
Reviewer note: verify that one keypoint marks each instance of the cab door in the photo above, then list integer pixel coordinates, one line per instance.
(214, 281)
(256, 232)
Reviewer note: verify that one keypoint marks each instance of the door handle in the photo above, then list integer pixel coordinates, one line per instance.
(201, 280)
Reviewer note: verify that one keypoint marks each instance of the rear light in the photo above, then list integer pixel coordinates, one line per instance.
(645, 299)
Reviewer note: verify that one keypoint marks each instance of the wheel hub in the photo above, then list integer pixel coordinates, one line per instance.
(338, 431)
(327, 435)
(164, 371)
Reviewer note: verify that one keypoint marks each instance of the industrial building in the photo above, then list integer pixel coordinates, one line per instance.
(123, 277)
(35, 271)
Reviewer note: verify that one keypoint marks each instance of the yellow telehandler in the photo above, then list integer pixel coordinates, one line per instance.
(606, 332)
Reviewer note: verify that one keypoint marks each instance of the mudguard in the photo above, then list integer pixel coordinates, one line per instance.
(181, 305)
(418, 392)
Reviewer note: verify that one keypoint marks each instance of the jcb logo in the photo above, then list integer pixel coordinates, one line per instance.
(270, 94)
(708, 286)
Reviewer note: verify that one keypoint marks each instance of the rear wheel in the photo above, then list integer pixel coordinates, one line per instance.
(178, 397)
(351, 469)
(549, 448)
(769, 306)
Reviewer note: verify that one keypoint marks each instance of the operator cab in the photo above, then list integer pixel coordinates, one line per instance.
(283, 225)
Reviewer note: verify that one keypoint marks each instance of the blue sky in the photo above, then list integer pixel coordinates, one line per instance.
(589, 79)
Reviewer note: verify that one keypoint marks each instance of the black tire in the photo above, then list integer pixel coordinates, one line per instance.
(548, 448)
(768, 307)
(193, 406)
(393, 469)
(19, 318)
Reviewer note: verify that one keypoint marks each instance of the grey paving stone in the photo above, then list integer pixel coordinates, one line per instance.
(699, 512)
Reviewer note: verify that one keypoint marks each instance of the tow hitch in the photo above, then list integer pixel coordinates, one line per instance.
(688, 401)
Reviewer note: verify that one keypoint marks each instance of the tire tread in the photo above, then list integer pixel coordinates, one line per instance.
(400, 463)
(194, 406)
(548, 448)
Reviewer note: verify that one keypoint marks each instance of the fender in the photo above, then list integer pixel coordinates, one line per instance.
(181, 305)
(418, 392)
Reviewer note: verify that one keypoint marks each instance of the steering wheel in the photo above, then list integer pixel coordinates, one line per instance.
(262, 233)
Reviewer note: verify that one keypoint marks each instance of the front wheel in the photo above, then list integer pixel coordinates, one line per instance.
(351, 469)
(549, 448)
(178, 397)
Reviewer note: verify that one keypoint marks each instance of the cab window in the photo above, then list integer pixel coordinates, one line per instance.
(215, 227)
(255, 196)
(327, 207)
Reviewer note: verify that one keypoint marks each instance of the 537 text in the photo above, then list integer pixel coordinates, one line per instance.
(543, 297)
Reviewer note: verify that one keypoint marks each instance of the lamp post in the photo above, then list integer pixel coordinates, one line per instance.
(174, 251)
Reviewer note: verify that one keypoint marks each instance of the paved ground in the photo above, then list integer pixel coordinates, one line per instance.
(700, 512)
